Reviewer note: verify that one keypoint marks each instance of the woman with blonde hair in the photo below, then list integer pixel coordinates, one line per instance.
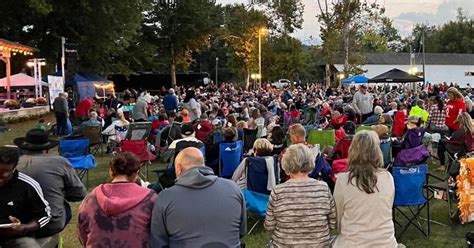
(460, 141)
(454, 107)
(301, 211)
(364, 197)
(261, 148)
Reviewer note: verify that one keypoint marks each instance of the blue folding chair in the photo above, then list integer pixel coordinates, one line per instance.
(257, 194)
(230, 155)
(386, 147)
(409, 194)
(217, 137)
(77, 152)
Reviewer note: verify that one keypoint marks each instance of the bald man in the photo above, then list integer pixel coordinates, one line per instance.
(200, 210)
(297, 134)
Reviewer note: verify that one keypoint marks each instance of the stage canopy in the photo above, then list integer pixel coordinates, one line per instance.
(20, 80)
(358, 79)
(89, 84)
(395, 76)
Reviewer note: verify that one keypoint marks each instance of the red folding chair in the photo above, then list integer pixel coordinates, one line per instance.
(140, 149)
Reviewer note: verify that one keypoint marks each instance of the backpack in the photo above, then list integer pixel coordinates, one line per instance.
(323, 171)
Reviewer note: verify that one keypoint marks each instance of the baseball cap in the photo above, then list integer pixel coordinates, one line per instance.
(187, 129)
(216, 122)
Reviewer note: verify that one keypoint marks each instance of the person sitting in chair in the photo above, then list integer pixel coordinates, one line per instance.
(460, 141)
(55, 174)
(22, 204)
(261, 148)
(92, 122)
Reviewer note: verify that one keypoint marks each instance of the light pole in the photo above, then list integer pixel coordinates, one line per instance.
(36, 64)
(260, 32)
(217, 63)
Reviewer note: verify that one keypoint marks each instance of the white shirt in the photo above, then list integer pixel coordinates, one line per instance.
(194, 105)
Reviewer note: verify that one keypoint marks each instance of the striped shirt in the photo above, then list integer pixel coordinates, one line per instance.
(22, 197)
(300, 214)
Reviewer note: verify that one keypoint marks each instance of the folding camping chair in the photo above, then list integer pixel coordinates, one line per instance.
(322, 137)
(363, 127)
(138, 131)
(250, 135)
(257, 192)
(140, 149)
(230, 155)
(77, 152)
(217, 137)
(167, 175)
(94, 134)
(409, 186)
(386, 147)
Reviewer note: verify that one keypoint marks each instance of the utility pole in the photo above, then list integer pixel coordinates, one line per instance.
(217, 63)
(260, 57)
(63, 59)
(424, 61)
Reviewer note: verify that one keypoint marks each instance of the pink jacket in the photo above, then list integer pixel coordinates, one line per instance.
(116, 215)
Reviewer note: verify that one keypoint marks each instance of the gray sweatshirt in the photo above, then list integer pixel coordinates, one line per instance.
(363, 103)
(200, 210)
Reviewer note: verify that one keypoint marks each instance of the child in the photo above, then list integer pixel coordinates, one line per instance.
(41, 125)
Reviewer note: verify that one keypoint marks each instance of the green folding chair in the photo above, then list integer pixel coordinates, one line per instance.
(322, 137)
(363, 127)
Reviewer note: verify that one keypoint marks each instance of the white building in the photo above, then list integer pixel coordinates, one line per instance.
(440, 67)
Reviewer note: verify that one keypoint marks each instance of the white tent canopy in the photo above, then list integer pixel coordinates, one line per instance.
(20, 80)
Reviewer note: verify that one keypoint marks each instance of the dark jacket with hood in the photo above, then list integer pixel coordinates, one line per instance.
(116, 215)
(200, 210)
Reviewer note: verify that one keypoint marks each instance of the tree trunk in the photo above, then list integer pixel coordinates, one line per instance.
(247, 80)
(173, 68)
(328, 75)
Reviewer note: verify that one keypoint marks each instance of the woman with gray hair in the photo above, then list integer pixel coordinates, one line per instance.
(300, 211)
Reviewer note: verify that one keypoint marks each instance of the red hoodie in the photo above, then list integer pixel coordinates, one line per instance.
(203, 129)
(119, 211)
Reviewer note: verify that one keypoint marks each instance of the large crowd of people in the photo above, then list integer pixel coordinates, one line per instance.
(192, 204)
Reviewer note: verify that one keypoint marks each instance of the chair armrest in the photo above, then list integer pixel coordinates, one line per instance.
(435, 177)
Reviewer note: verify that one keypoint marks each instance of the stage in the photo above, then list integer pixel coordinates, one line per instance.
(22, 114)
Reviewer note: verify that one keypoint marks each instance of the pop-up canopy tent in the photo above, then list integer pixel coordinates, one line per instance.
(358, 79)
(21, 80)
(395, 76)
(89, 85)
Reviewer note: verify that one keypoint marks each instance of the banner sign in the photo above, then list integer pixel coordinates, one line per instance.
(56, 86)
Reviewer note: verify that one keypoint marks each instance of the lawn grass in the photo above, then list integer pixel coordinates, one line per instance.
(441, 236)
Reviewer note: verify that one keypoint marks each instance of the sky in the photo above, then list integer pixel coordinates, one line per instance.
(404, 13)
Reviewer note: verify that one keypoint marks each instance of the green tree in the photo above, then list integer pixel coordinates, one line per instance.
(182, 29)
(287, 15)
(241, 32)
(284, 57)
(103, 30)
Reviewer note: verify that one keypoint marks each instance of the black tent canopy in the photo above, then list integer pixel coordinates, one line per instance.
(395, 76)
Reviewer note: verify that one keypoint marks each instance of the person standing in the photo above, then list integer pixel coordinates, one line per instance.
(200, 210)
(454, 107)
(61, 111)
(363, 103)
(193, 106)
(54, 173)
(140, 112)
(170, 102)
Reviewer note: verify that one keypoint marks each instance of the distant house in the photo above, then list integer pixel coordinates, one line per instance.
(440, 67)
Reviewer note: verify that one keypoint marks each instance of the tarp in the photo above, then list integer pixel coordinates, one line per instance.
(89, 84)
(20, 80)
(395, 76)
(358, 79)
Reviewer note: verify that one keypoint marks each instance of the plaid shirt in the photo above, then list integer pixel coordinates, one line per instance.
(436, 117)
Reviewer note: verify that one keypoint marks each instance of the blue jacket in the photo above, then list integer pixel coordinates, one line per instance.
(171, 102)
